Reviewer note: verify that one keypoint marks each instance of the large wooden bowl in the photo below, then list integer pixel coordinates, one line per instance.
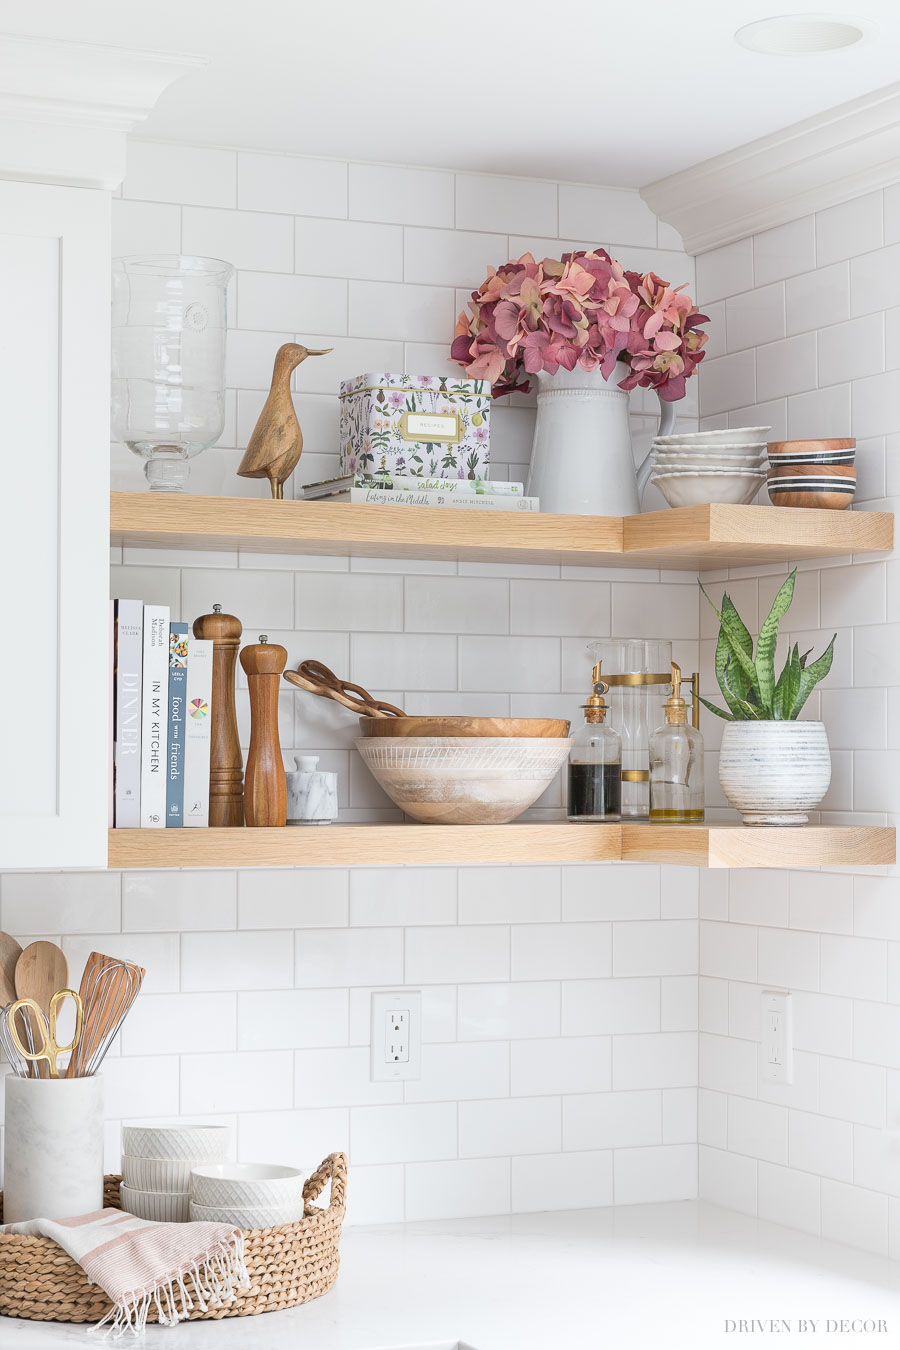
(549, 727)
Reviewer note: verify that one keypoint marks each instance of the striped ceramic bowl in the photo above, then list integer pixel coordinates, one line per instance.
(157, 1206)
(157, 1174)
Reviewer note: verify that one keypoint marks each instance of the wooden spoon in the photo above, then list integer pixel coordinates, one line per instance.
(10, 951)
(41, 971)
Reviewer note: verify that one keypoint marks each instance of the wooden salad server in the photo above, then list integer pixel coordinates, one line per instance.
(41, 971)
(276, 445)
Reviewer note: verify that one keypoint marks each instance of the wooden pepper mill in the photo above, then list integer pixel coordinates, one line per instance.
(226, 764)
(265, 787)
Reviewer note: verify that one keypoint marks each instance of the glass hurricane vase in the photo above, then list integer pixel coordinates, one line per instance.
(168, 361)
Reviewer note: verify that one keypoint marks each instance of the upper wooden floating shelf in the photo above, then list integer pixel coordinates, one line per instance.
(694, 537)
(456, 845)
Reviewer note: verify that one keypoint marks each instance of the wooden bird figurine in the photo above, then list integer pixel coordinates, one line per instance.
(276, 445)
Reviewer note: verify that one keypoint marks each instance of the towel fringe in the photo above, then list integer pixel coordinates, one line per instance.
(216, 1276)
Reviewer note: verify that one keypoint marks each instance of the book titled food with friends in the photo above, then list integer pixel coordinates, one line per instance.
(129, 659)
(155, 710)
(178, 663)
(197, 723)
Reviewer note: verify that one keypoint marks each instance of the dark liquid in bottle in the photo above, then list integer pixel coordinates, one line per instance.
(595, 790)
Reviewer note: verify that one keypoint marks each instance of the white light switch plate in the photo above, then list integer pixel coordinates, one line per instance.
(396, 1035)
(777, 1040)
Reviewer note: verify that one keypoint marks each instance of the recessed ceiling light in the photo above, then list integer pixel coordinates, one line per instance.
(798, 35)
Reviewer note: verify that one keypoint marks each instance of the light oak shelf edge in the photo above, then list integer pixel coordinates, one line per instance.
(458, 845)
(698, 537)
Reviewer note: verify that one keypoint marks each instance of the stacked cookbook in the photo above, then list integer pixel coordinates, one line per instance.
(385, 489)
(161, 711)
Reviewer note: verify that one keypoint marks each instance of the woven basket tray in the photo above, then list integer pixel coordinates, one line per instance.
(288, 1265)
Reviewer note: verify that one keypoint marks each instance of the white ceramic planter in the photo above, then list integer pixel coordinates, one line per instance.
(52, 1147)
(774, 772)
(581, 460)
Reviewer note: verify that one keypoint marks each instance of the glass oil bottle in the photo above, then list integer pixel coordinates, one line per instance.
(595, 762)
(676, 764)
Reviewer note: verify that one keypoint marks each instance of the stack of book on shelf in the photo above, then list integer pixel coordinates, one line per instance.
(162, 709)
(384, 489)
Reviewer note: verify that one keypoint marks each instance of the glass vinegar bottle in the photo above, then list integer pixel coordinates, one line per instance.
(676, 764)
(595, 762)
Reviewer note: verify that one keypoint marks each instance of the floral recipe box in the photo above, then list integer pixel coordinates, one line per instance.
(433, 426)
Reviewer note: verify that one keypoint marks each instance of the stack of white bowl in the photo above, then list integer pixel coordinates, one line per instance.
(248, 1195)
(156, 1167)
(697, 467)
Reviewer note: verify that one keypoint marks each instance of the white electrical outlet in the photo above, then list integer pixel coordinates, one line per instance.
(396, 1035)
(777, 1037)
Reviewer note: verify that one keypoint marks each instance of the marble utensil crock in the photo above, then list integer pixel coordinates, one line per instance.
(774, 772)
(52, 1148)
(312, 796)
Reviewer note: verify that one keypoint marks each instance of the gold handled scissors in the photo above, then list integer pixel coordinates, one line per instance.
(48, 1047)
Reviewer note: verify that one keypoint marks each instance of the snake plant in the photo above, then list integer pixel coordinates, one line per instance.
(748, 682)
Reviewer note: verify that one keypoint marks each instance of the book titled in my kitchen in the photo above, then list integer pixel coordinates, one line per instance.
(178, 663)
(155, 700)
(197, 731)
(129, 658)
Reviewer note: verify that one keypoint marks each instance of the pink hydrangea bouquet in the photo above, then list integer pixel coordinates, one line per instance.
(582, 310)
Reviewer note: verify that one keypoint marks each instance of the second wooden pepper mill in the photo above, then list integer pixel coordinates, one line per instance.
(265, 786)
(226, 777)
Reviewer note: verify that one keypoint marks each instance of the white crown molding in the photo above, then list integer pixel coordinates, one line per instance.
(66, 108)
(827, 159)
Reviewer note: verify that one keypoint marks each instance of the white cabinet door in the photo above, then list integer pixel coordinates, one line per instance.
(54, 525)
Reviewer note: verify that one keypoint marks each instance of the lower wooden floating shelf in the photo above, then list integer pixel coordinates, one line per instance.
(456, 845)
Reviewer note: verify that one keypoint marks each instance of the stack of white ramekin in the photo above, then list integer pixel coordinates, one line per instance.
(156, 1167)
(249, 1195)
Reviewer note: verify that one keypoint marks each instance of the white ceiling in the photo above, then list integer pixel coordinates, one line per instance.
(616, 92)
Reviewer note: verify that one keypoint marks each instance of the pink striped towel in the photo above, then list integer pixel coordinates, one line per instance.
(173, 1267)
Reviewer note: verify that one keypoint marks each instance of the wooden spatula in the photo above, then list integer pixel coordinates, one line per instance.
(10, 951)
(41, 971)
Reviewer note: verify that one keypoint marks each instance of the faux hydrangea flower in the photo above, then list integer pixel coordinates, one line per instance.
(582, 310)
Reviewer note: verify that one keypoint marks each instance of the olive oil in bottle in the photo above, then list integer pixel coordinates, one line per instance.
(595, 762)
(676, 764)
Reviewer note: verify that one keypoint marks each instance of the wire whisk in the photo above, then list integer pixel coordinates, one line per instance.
(17, 1061)
(108, 988)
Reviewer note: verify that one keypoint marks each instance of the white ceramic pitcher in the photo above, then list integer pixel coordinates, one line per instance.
(581, 460)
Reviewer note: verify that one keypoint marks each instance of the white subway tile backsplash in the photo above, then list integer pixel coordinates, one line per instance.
(228, 1082)
(293, 898)
(850, 228)
(457, 1188)
(758, 1129)
(513, 895)
(849, 351)
(874, 283)
(665, 1060)
(665, 1173)
(514, 664)
(646, 948)
(145, 1085)
(156, 1024)
(728, 1179)
(236, 961)
(339, 1077)
(411, 895)
(351, 602)
(821, 1145)
(291, 185)
(59, 902)
(160, 901)
(405, 661)
(560, 1065)
(559, 608)
(853, 967)
(787, 367)
(291, 1019)
(515, 1125)
(346, 956)
(561, 952)
(297, 1138)
(250, 240)
(448, 257)
(565, 1181)
(785, 251)
(144, 227)
(612, 1120)
(455, 605)
(611, 892)
(727, 382)
(408, 196)
(268, 301)
(788, 960)
(753, 318)
(187, 174)
(855, 1216)
(349, 248)
(598, 1007)
(457, 955)
(789, 1197)
(461, 1072)
(606, 215)
(725, 271)
(507, 205)
(816, 299)
(508, 1011)
(390, 310)
(407, 1133)
(156, 952)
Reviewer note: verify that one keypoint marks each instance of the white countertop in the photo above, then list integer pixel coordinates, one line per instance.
(647, 1277)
